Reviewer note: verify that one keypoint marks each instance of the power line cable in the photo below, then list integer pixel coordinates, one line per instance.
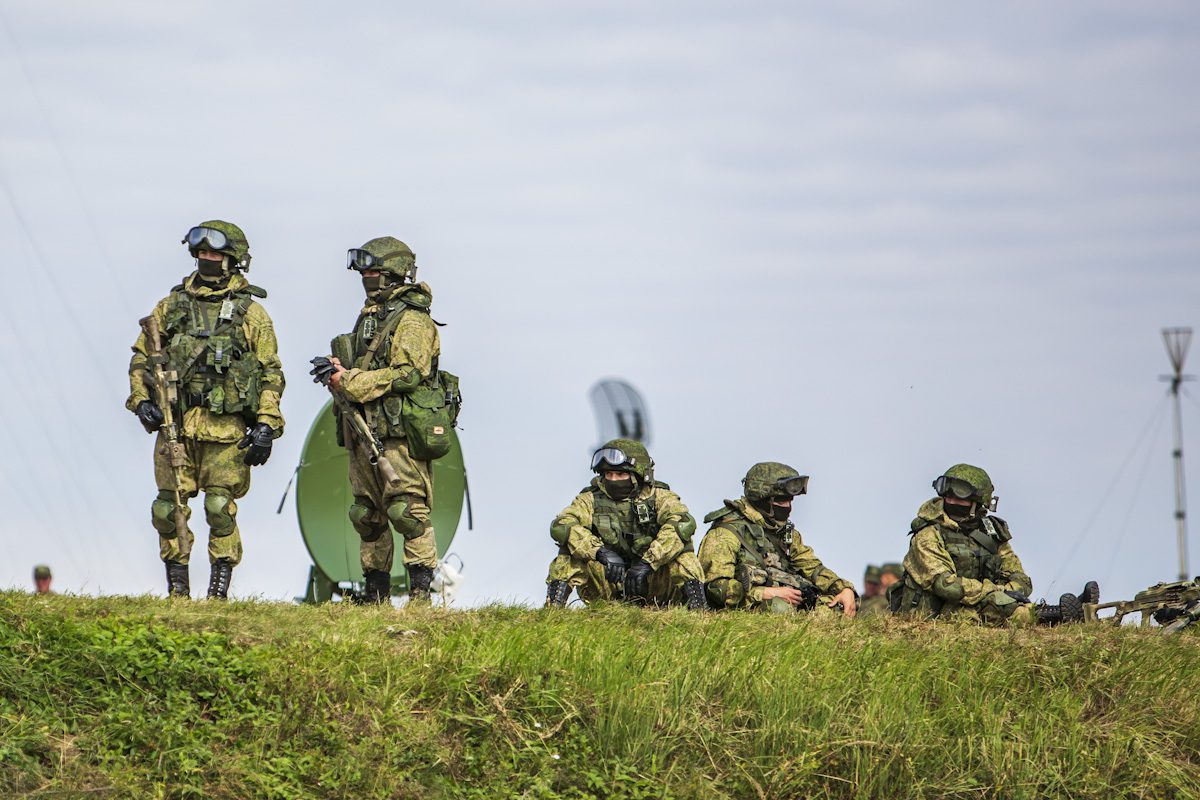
(68, 168)
(1155, 414)
(1137, 488)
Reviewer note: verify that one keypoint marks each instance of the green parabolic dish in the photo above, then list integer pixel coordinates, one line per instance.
(323, 497)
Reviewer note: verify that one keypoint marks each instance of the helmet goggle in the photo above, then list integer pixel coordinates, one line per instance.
(791, 487)
(612, 458)
(208, 238)
(361, 259)
(957, 487)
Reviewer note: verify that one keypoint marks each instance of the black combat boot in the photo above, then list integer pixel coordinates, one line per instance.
(177, 580)
(693, 590)
(1069, 609)
(1090, 593)
(419, 579)
(557, 593)
(377, 587)
(218, 582)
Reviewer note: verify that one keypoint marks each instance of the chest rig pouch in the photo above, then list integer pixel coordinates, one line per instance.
(975, 552)
(763, 559)
(206, 345)
(627, 526)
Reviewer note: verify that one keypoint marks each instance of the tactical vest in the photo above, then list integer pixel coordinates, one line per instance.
(764, 555)
(206, 346)
(975, 556)
(627, 526)
(371, 343)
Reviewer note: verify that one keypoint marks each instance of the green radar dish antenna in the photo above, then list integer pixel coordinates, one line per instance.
(323, 496)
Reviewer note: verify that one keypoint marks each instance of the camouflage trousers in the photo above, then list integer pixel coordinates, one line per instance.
(404, 504)
(996, 609)
(215, 468)
(665, 583)
(777, 605)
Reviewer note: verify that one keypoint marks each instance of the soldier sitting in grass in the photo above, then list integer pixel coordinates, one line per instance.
(753, 557)
(960, 564)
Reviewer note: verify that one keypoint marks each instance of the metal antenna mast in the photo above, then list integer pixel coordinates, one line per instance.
(1177, 341)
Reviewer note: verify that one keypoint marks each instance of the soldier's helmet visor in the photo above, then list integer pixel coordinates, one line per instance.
(361, 259)
(207, 238)
(611, 458)
(792, 487)
(955, 486)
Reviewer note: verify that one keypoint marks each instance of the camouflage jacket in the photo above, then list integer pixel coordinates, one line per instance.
(199, 422)
(725, 562)
(944, 558)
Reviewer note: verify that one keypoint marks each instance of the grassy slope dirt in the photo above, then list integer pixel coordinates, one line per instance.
(138, 697)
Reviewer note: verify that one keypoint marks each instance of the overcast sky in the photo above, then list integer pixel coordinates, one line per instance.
(867, 239)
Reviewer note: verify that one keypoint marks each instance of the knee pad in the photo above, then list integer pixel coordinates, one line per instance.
(220, 511)
(162, 515)
(364, 517)
(400, 513)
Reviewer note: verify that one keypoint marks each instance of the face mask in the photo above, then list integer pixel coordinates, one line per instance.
(618, 490)
(770, 511)
(210, 270)
(958, 512)
(780, 513)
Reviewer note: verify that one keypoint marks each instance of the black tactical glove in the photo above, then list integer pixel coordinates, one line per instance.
(149, 415)
(810, 597)
(322, 369)
(614, 565)
(259, 440)
(1015, 595)
(635, 579)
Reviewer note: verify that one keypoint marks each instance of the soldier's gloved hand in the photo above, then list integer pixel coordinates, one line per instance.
(614, 565)
(322, 369)
(150, 415)
(809, 597)
(259, 439)
(636, 579)
(1015, 595)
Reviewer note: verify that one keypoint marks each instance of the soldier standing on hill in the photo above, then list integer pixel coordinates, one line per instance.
(387, 363)
(960, 563)
(753, 556)
(625, 536)
(221, 380)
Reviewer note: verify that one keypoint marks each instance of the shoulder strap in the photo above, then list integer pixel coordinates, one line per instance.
(988, 540)
(736, 527)
(384, 330)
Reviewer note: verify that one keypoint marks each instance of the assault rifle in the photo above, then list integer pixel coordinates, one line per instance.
(1172, 605)
(366, 438)
(166, 395)
(750, 575)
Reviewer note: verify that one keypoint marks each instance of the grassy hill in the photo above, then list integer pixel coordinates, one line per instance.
(138, 697)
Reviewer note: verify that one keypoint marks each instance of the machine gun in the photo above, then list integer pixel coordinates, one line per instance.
(166, 395)
(1172, 605)
(366, 438)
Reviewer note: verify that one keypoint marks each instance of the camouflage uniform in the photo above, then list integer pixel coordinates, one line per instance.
(652, 525)
(222, 345)
(745, 552)
(874, 603)
(395, 348)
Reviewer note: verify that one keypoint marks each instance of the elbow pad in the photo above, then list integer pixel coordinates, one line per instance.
(560, 529)
(1020, 582)
(948, 586)
(409, 378)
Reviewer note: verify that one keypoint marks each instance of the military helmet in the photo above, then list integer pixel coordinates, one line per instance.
(220, 237)
(872, 574)
(623, 455)
(770, 479)
(41, 572)
(386, 254)
(892, 568)
(967, 483)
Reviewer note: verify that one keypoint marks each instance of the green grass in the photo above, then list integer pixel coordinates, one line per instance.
(138, 697)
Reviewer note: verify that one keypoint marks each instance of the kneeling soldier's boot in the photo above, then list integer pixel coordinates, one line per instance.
(377, 587)
(557, 593)
(419, 579)
(693, 590)
(218, 582)
(1090, 593)
(177, 580)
